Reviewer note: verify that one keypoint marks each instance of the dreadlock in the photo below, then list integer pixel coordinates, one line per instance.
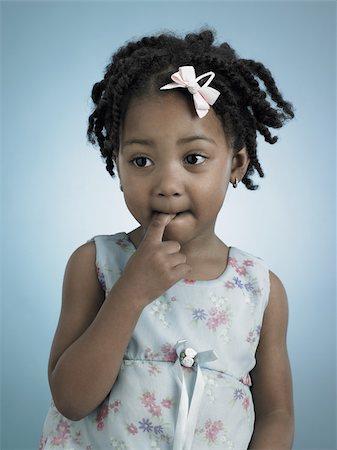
(141, 67)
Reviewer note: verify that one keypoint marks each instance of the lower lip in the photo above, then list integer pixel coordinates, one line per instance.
(182, 214)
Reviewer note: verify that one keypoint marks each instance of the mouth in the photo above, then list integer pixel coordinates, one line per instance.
(177, 213)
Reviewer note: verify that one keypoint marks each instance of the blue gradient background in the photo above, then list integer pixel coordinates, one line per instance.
(57, 193)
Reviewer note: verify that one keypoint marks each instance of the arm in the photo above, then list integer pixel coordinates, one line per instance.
(90, 334)
(93, 334)
(272, 384)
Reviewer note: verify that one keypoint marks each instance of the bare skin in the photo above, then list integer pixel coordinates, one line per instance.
(271, 377)
(89, 328)
(173, 162)
(169, 195)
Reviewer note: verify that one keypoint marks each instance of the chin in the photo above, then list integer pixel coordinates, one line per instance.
(174, 232)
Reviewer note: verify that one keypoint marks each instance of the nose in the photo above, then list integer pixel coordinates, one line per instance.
(168, 182)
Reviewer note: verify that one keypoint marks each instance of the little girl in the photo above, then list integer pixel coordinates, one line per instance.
(168, 338)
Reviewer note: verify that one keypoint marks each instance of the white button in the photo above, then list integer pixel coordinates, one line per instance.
(190, 352)
(187, 361)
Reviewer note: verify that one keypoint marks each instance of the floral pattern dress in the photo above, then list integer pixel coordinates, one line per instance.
(159, 401)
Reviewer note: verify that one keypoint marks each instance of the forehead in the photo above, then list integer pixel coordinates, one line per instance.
(168, 116)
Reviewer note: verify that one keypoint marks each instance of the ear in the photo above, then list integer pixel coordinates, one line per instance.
(115, 158)
(240, 164)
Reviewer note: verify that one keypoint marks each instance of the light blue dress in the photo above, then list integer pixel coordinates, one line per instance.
(184, 382)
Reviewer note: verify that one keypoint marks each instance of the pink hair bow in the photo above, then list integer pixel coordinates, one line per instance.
(203, 96)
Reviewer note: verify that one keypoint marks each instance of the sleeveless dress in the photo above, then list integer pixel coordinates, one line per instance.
(184, 381)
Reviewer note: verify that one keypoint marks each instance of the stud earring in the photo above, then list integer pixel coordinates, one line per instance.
(235, 183)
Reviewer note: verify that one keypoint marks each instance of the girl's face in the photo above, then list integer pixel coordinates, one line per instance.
(172, 161)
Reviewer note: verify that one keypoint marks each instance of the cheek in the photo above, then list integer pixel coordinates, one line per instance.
(136, 201)
(215, 189)
(216, 184)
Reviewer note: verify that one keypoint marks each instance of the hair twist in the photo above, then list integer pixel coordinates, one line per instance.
(250, 101)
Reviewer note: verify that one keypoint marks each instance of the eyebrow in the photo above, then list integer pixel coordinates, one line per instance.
(201, 137)
(186, 140)
(147, 142)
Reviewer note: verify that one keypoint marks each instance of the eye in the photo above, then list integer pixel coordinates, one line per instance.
(195, 159)
(141, 161)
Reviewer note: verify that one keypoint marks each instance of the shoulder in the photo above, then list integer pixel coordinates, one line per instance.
(275, 320)
(83, 258)
(276, 285)
(100, 258)
(81, 271)
(278, 299)
(105, 243)
(250, 262)
(253, 263)
(255, 270)
(84, 251)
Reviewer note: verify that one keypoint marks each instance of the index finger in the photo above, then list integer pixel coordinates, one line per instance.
(156, 228)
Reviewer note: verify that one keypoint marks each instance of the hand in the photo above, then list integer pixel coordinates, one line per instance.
(156, 265)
